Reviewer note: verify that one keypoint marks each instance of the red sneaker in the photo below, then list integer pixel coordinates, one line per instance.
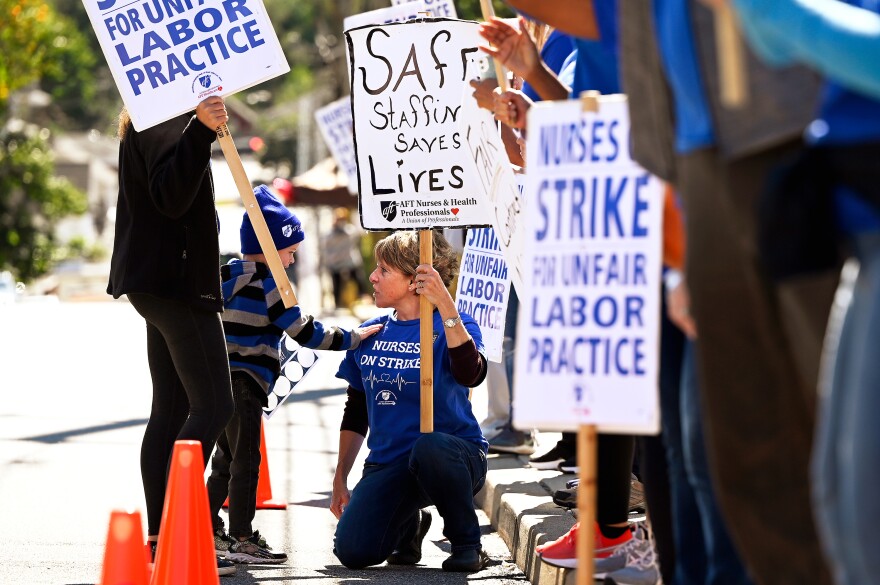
(563, 552)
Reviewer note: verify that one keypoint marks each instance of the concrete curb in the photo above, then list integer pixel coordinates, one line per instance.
(518, 501)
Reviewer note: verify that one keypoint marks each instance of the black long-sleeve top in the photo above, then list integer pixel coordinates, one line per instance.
(166, 241)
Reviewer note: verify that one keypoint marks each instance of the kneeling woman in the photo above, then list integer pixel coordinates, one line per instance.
(405, 469)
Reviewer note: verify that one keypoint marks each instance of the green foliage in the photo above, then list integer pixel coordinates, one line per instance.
(43, 45)
(32, 200)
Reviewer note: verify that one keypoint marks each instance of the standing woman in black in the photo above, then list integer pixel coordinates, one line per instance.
(166, 259)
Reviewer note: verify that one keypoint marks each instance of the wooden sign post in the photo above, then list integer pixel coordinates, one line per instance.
(426, 341)
(586, 457)
(500, 73)
(288, 297)
(587, 443)
(731, 58)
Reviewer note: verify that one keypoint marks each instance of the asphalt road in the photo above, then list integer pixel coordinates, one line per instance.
(74, 399)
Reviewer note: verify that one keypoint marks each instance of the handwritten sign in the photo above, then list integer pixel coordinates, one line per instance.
(296, 362)
(407, 83)
(484, 287)
(396, 13)
(502, 188)
(588, 330)
(437, 8)
(168, 55)
(334, 121)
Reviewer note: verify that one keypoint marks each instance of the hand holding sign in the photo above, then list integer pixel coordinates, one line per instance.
(211, 112)
(512, 46)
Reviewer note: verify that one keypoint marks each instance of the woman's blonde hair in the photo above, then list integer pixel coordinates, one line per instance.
(124, 123)
(400, 251)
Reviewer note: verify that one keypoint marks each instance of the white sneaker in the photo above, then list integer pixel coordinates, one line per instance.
(632, 563)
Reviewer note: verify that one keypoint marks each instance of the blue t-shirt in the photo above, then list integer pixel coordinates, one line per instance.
(693, 120)
(596, 65)
(555, 51)
(385, 367)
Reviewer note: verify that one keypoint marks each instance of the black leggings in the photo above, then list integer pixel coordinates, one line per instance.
(192, 392)
(614, 467)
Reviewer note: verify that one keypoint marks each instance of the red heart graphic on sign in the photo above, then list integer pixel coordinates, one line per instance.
(454, 210)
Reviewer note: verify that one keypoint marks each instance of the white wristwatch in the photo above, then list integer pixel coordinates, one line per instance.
(452, 322)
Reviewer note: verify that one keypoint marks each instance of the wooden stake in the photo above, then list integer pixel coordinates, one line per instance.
(256, 216)
(426, 340)
(586, 501)
(731, 59)
(500, 73)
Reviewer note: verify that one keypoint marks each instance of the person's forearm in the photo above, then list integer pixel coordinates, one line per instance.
(547, 85)
(575, 18)
(839, 40)
(511, 146)
(349, 446)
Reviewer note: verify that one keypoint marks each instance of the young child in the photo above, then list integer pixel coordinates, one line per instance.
(254, 320)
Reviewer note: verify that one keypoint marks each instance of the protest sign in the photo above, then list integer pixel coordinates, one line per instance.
(588, 329)
(437, 8)
(407, 83)
(334, 121)
(168, 55)
(495, 177)
(396, 13)
(296, 362)
(484, 287)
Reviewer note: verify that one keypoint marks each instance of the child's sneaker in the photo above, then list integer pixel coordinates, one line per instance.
(261, 542)
(563, 552)
(222, 541)
(254, 551)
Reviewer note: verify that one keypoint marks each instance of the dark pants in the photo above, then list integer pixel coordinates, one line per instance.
(758, 358)
(442, 470)
(614, 464)
(192, 396)
(235, 467)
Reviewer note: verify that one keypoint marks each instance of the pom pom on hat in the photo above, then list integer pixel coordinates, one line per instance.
(284, 226)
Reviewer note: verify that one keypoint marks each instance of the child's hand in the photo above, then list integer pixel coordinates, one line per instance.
(365, 332)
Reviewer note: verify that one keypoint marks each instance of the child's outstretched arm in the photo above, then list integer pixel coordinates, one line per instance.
(308, 332)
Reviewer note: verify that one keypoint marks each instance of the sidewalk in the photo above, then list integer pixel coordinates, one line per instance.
(518, 501)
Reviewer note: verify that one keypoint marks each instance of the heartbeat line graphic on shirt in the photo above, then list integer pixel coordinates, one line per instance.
(385, 379)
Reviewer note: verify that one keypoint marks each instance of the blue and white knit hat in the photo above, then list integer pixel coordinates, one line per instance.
(284, 226)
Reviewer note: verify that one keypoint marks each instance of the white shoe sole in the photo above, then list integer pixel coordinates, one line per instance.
(246, 559)
(545, 464)
(561, 563)
(224, 571)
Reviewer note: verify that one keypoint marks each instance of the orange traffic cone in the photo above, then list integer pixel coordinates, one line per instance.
(185, 555)
(264, 484)
(124, 559)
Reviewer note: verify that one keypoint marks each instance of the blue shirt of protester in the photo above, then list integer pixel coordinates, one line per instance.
(555, 51)
(693, 120)
(385, 367)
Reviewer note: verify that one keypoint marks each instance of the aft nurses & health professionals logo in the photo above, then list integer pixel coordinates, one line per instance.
(389, 210)
(386, 398)
(207, 83)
